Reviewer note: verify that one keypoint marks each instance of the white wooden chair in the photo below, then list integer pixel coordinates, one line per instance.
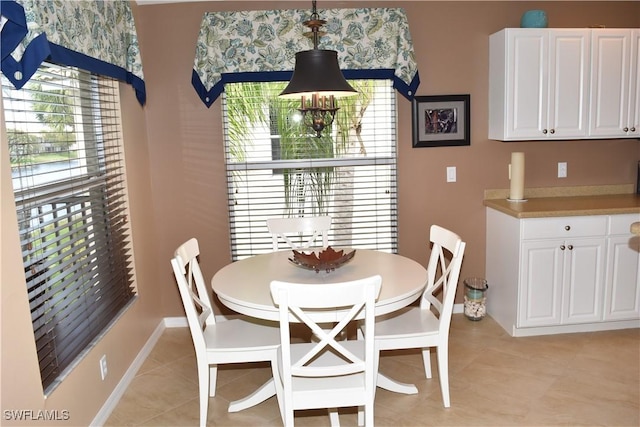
(237, 340)
(326, 373)
(428, 325)
(300, 232)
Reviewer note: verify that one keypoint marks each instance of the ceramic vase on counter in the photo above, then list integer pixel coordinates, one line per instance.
(534, 19)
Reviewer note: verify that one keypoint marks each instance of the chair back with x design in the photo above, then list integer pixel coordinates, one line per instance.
(329, 372)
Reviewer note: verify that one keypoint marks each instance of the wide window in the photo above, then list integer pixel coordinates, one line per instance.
(65, 145)
(278, 168)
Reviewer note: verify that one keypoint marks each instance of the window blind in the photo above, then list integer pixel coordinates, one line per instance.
(278, 168)
(65, 145)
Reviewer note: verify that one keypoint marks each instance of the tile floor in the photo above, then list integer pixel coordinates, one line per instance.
(587, 379)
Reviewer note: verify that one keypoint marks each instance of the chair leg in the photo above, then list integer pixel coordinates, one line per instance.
(288, 422)
(277, 383)
(365, 415)
(368, 415)
(213, 379)
(335, 418)
(443, 371)
(203, 390)
(426, 360)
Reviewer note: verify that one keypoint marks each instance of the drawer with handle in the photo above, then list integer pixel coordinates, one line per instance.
(564, 227)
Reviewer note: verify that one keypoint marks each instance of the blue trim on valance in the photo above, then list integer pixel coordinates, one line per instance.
(406, 90)
(40, 49)
(14, 29)
(210, 96)
(62, 55)
(20, 72)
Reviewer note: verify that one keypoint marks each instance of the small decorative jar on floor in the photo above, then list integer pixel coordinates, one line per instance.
(475, 300)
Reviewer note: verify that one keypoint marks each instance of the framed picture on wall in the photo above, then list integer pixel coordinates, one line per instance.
(441, 120)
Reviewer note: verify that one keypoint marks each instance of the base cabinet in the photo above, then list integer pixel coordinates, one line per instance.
(622, 299)
(562, 274)
(562, 282)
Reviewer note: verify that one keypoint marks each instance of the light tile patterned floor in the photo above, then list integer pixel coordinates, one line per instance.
(587, 379)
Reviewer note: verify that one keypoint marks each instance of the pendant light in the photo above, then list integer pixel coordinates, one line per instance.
(317, 80)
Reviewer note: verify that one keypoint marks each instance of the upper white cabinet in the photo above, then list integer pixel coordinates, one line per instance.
(614, 107)
(538, 84)
(634, 90)
(563, 84)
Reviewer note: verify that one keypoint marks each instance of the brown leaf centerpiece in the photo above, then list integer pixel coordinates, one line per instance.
(328, 259)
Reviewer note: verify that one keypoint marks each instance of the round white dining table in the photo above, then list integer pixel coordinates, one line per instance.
(243, 286)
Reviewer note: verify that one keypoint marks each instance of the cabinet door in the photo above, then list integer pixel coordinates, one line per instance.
(569, 58)
(539, 302)
(634, 83)
(622, 300)
(609, 103)
(583, 283)
(526, 86)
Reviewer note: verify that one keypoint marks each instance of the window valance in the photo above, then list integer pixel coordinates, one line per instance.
(95, 35)
(243, 46)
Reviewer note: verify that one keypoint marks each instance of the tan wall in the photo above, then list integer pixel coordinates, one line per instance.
(451, 43)
(178, 188)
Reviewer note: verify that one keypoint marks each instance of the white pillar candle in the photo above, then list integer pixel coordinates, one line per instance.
(516, 174)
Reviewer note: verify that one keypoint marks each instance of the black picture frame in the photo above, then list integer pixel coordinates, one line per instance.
(441, 120)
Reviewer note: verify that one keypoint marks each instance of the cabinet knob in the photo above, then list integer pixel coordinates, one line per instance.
(552, 131)
(544, 131)
(570, 247)
(632, 129)
(562, 248)
(567, 227)
(626, 129)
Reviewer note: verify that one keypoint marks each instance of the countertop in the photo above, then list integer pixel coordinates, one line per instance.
(541, 207)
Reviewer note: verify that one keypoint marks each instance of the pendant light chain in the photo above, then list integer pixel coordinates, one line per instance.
(315, 23)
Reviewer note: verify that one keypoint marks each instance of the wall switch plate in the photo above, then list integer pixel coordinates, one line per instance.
(103, 366)
(562, 169)
(451, 174)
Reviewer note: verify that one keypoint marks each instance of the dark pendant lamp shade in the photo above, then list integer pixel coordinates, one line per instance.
(317, 72)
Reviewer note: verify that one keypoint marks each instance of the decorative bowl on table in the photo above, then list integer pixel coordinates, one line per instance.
(327, 259)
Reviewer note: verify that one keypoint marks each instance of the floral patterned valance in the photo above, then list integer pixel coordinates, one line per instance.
(261, 45)
(95, 35)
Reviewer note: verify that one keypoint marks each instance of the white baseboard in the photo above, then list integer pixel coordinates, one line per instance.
(108, 407)
(181, 322)
(175, 322)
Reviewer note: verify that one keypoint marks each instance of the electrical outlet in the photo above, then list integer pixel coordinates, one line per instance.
(451, 174)
(103, 366)
(562, 169)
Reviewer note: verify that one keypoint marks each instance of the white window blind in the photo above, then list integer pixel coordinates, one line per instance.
(65, 145)
(278, 168)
